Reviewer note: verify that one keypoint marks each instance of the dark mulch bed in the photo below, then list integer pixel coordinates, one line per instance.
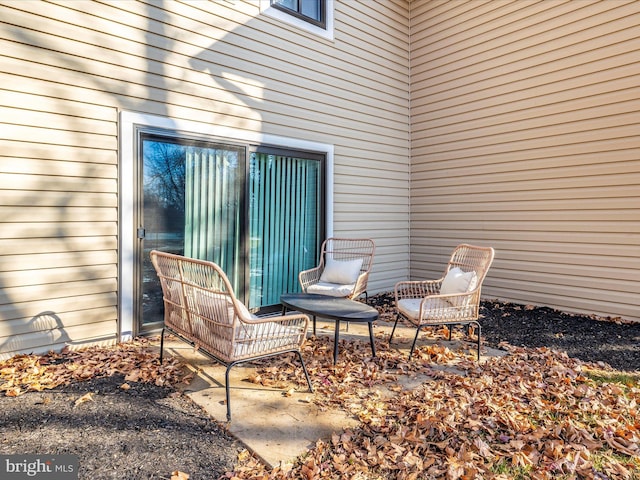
(147, 432)
(587, 338)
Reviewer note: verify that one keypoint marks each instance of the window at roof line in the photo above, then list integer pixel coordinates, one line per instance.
(312, 11)
(324, 29)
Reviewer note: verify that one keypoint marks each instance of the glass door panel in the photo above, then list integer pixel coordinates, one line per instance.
(285, 223)
(192, 194)
(163, 179)
(213, 214)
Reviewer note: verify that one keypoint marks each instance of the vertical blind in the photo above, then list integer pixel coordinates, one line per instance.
(284, 209)
(284, 224)
(213, 187)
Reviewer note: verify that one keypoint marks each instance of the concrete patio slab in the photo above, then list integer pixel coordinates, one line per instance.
(277, 426)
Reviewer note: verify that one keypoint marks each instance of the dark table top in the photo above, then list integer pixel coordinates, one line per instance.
(335, 308)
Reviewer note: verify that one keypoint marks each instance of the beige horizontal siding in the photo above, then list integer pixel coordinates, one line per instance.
(28, 182)
(64, 244)
(27, 293)
(67, 69)
(60, 199)
(33, 261)
(36, 151)
(45, 336)
(525, 121)
(68, 168)
(114, 62)
(58, 204)
(59, 306)
(50, 321)
(361, 91)
(81, 224)
(49, 276)
(55, 321)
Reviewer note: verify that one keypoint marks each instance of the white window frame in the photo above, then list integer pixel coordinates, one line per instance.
(130, 123)
(267, 9)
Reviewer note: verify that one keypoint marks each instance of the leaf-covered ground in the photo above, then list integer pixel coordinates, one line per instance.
(534, 413)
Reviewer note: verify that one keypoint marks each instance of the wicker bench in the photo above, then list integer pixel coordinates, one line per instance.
(201, 309)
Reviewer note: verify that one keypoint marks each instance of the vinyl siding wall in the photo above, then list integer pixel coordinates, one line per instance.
(526, 137)
(67, 69)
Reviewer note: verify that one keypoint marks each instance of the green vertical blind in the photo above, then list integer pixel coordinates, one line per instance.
(213, 214)
(285, 223)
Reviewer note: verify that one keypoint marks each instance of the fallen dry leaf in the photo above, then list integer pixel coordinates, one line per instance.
(87, 397)
(533, 410)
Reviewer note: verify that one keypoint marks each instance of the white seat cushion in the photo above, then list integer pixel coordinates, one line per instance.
(436, 309)
(253, 339)
(331, 289)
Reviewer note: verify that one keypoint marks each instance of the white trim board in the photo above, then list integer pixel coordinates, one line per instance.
(129, 123)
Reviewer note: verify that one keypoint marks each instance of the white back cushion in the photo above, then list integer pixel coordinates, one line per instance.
(457, 281)
(342, 272)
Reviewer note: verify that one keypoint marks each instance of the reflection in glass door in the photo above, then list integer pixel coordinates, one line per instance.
(191, 198)
(163, 179)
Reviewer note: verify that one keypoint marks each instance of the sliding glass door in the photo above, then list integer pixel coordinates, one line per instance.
(256, 212)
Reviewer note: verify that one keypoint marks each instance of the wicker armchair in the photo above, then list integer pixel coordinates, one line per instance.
(343, 270)
(451, 300)
(201, 309)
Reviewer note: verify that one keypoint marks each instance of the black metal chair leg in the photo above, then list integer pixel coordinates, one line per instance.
(335, 342)
(306, 374)
(161, 345)
(228, 396)
(394, 328)
(413, 345)
(479, 331)
(373, 345)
